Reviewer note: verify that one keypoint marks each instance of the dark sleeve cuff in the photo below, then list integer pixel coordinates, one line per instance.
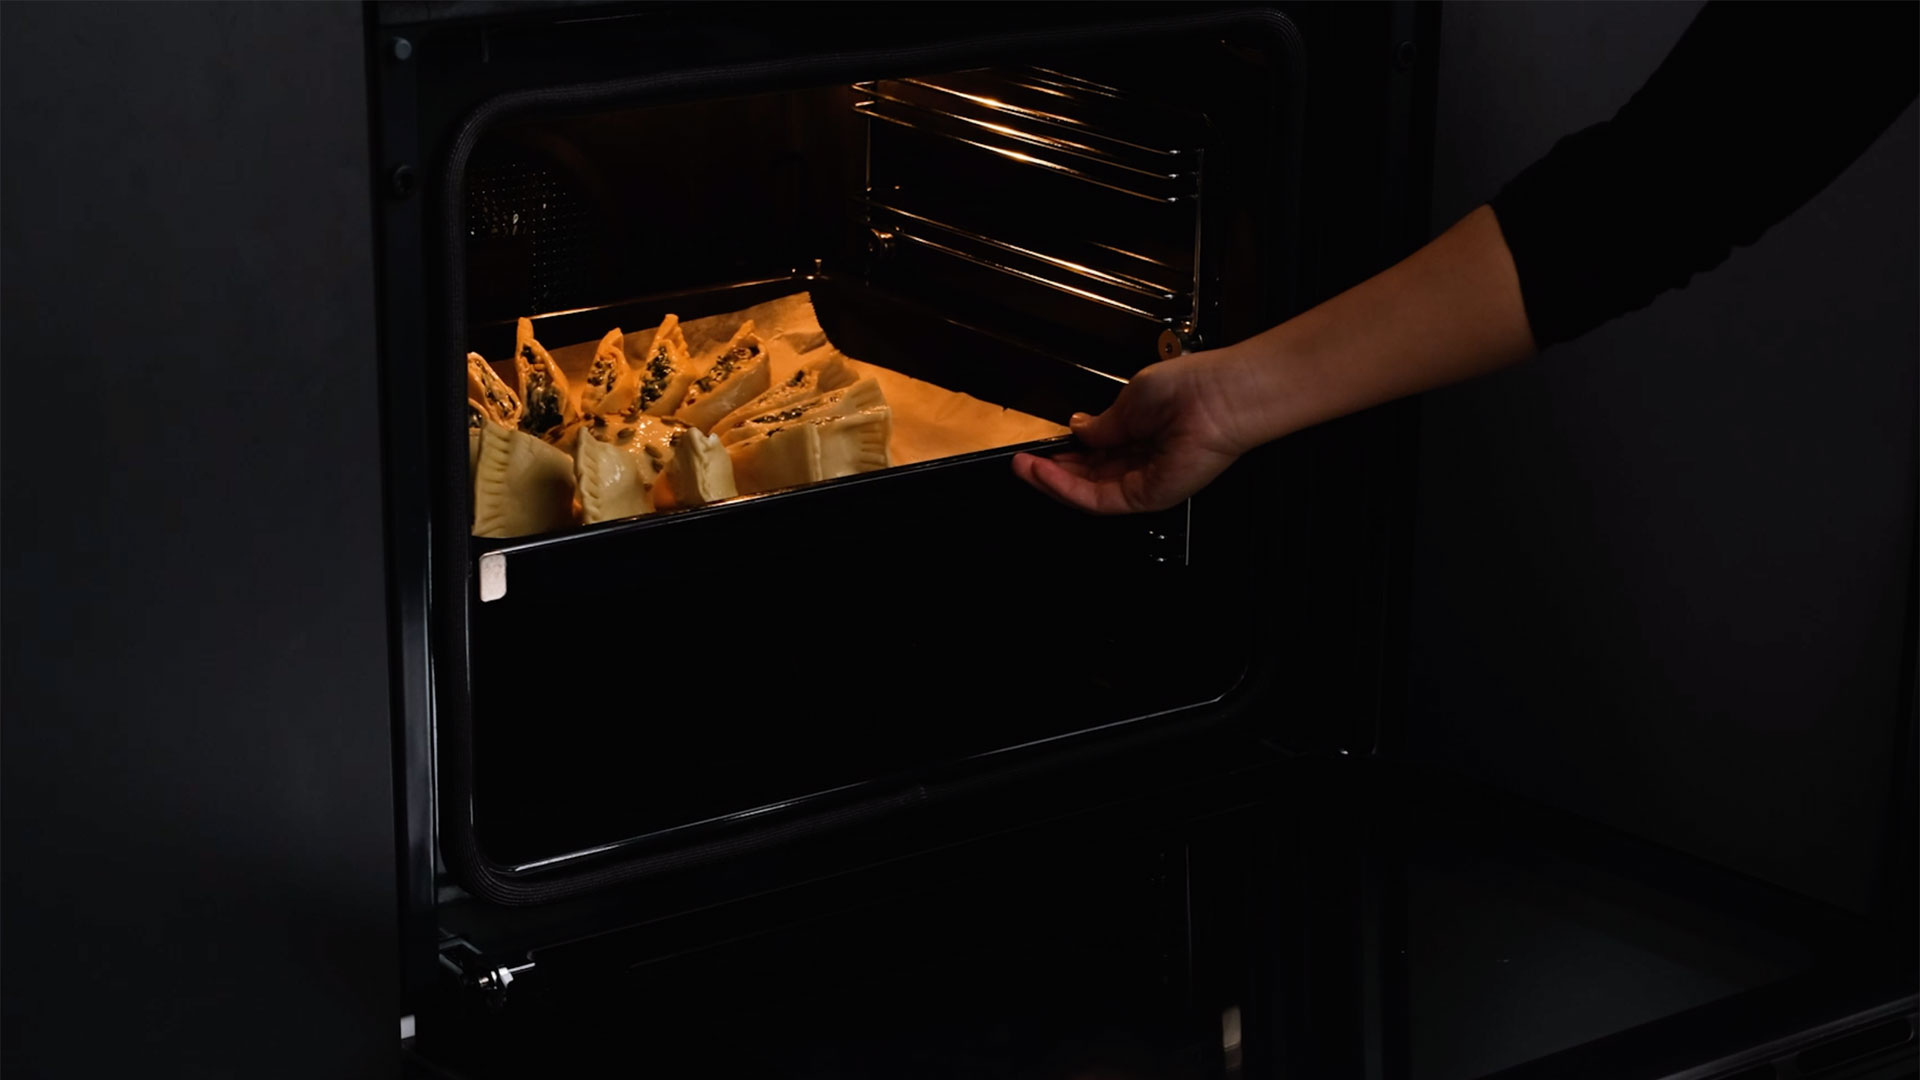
(1532, 210)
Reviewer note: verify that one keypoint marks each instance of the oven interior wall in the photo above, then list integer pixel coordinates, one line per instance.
(1080, 203)
(583, 210)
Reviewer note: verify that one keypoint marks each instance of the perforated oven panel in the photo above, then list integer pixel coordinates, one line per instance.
(528, 220)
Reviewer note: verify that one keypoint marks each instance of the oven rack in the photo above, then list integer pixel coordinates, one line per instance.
(1045, 121)
(1140, 264)
(1103, 274)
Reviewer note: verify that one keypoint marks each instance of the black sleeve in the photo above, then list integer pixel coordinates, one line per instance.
(1758, 107)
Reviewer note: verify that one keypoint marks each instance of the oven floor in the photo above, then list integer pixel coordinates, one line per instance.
(1507, 966)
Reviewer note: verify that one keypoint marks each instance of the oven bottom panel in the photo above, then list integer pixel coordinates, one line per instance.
(1067, 947)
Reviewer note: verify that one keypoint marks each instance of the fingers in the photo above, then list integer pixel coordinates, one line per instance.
(1030, 469)
(1076, 491)
(1023, 467)
(1070, 484)
(1095, 466)
(1100, 432)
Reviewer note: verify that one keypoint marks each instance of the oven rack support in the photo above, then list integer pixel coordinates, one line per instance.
(1059, 125)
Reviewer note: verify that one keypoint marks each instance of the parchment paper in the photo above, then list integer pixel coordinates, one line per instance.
(928, 421)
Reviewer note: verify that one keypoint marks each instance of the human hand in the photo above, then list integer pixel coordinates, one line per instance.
(1169, 433)
(1450, 312)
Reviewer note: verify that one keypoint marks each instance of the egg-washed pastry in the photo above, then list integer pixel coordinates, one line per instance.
(858, 443)
(521, 485)
(783, 458)
(699, 470)
(845, 401)
(649, 435)
(663, 370)
(614, 483)
(566, 438)
(544, 393)
(830, 372)
(738, 375)
(811, 450)
(612, 383)
(486, 389)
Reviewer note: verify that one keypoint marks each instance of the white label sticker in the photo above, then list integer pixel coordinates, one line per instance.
(493, 577)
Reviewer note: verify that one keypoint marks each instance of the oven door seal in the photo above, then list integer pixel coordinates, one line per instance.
(453, 778)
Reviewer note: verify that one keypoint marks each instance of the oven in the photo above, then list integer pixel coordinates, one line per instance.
(627, 734)
(886, 768)
(862, 757)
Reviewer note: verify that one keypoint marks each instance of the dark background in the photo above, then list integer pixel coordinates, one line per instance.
(196, 770)
(1663, 572)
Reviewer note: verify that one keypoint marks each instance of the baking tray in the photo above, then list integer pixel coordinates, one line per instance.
(648, 685)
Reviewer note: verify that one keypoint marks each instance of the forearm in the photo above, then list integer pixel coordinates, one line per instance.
(1446, 313)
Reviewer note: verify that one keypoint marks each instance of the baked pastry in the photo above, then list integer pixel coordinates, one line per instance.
(845, 401)
(662, 372)
(521, 485)
(614, 482)
(544, 393)
(699, 470)
(486, 389)
(612, 383)
(738, 375)
(830, 372)
(813, 449)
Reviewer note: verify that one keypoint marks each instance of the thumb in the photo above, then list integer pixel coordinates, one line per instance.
(1100, 432)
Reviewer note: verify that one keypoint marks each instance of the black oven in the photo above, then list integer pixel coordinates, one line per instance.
(903, 770)
(902, 767)
(1021, 205)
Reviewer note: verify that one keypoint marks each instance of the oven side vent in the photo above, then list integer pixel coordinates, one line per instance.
(530, 226)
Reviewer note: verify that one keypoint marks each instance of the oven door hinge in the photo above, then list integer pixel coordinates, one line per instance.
(489, 977)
